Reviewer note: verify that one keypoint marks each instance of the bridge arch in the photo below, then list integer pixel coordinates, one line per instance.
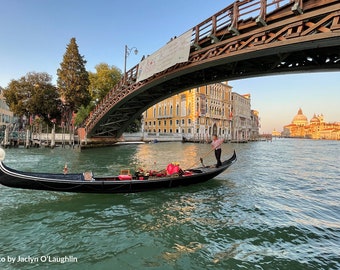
(297, 36)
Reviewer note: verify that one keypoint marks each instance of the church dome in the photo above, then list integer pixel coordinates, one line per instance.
(315, 120)
(300, 119)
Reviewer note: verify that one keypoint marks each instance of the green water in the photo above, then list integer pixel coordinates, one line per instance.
(277, 207)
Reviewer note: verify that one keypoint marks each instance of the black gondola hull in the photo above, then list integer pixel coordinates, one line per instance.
(76, 183)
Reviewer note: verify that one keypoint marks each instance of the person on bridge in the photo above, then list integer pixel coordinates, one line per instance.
(216, 145)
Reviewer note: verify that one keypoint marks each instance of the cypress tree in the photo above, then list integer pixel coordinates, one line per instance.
(73, 79)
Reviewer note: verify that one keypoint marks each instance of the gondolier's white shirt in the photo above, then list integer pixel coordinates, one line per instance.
(216, 144)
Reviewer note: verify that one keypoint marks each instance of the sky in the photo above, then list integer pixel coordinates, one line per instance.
(34, 35)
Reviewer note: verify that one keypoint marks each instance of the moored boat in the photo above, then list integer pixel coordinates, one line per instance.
(124, 183)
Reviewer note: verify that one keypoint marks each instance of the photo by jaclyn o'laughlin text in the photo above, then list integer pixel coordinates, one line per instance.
(39, 259)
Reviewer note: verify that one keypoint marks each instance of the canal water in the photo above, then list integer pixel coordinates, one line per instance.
(277, 207)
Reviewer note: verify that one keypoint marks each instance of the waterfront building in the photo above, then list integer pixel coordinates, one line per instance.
(245, 122)
(194, 114)
(198, 113)
(276, 133)
(6, 116)
(296, 128)
(316, 128)
(255, 125)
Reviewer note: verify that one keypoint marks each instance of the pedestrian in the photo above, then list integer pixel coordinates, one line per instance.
(216, 145)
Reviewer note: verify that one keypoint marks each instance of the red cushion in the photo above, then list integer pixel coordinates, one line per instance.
(124, 177)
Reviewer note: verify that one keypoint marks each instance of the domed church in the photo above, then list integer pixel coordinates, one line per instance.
(300, 119)
(315, 129)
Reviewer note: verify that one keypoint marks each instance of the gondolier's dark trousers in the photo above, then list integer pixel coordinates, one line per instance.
(218, 157)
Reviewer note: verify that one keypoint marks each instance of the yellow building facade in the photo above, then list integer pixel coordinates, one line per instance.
(195, 114)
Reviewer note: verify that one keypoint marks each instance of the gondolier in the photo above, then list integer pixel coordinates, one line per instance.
(216, 144)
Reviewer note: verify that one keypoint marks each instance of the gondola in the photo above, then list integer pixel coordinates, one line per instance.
(124, 183)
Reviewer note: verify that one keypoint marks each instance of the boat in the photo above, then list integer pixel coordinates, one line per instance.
(86, 182)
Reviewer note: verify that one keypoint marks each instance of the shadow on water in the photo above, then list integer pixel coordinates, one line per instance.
(20, 201)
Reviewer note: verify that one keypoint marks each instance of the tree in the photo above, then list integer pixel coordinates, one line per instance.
(103, 80)
(34, 94)
(73, 79)
(82, 113)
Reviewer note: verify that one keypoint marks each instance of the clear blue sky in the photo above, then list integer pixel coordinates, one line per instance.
(34, 35)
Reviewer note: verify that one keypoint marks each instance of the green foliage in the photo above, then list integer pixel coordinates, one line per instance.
(82, 113)
(103, 80)
(34, 94)
(73, 79)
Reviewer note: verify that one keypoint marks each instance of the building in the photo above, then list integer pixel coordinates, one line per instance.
(255, 125)
(276, 133)
(296, 128)
(245, 122)
(198, 113)
(6, 116)
(316, 128)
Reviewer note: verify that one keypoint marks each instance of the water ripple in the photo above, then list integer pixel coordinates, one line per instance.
(276, 208)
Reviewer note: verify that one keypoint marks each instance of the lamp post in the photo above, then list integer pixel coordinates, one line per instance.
(127, 53)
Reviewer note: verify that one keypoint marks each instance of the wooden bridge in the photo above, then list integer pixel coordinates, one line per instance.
(248, 38)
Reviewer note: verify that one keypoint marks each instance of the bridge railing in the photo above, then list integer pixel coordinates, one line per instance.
(229, 17)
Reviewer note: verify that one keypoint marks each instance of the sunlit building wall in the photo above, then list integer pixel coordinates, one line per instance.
(255, 125)
(196, 114)
(242, 123)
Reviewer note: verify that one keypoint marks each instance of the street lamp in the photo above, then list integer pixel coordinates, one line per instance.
(127, 53)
